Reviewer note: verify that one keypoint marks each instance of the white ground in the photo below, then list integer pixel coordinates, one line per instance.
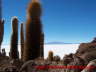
(58, 49)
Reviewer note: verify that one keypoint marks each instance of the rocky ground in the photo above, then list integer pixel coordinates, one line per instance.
(84, 57)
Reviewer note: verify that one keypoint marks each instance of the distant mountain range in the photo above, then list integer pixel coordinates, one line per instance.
(60, 43)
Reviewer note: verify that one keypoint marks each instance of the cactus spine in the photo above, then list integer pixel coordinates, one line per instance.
(14, 54)
(22, 40)
(33, 31)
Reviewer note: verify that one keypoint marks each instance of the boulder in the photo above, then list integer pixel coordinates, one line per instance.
(91, 67)
(87, 52)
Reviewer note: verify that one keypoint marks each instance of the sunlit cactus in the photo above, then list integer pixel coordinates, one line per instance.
(33, 31)
(42, 46)
(1, 32)
(14, 54)
(50, 56)
(22, 40)
(34, 10)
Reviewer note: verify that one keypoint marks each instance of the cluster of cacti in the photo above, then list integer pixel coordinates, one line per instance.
(33, 31)
(22, 40)
(32, 46)
(42, 46)
(50, 56)
(1, 32)
(14, 54)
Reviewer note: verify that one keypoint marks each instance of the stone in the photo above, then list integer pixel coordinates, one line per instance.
(91, 67)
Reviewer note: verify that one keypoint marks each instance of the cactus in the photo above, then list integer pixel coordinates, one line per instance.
(50, 56)
(3, 52)
(1, 10)
(22, 41)
(1, 32)
(33, 31)
(42, 46)
(14, 54)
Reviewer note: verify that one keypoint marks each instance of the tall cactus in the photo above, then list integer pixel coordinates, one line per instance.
(1, 32)
(0, 10)
(33, 31)
(42, 46)
(14, 54)
(22, 40)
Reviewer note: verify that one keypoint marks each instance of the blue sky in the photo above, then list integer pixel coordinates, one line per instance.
(69, 21)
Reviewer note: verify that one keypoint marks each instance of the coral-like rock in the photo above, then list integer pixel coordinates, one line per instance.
(87, 51)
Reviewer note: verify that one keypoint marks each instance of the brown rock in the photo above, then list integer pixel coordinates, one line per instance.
(91, 67)
(67, 59)
(75, 65)
(87, 51)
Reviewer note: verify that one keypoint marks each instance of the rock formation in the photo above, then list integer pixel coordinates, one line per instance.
(94, 40)
(75, 65)
(56, 58)
(91, 67)
(67, 59)
(87, 52)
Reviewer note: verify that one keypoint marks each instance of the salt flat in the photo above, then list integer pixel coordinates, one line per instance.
(58, 49)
